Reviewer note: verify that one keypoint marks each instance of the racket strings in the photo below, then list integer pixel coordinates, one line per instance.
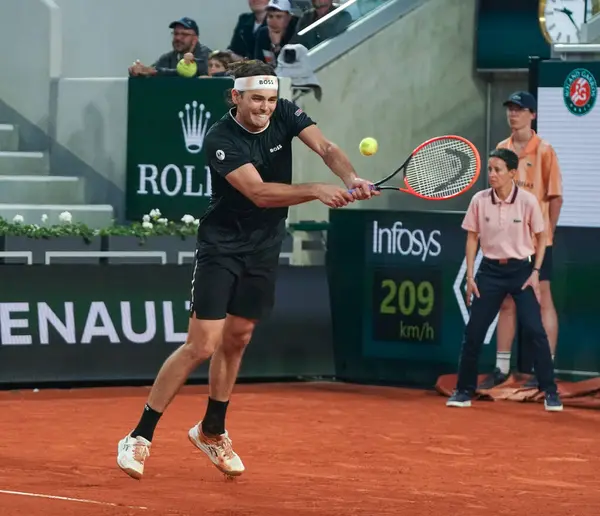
(442, 168)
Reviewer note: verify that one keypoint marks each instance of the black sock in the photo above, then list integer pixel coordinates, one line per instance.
(214, 419)
(147, 423)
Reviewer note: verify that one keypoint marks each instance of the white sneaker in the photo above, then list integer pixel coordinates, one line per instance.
(131, 454)
(218, 449)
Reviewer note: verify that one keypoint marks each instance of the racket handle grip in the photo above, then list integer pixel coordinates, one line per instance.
(372, 187)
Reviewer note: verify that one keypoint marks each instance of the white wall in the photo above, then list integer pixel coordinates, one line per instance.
(101, 38)
(29, 57)
(410, 82)
(91, 123)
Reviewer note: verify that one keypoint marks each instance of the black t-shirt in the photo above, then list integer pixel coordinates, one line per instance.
(232, 223)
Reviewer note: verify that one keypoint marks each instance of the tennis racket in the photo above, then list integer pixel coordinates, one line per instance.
(438, 169)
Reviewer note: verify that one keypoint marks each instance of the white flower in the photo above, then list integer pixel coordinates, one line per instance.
(146, 218)
(155, 214)
(147, 225)
(163, 221)
(187, 219)
(65, 217)
(196, 222)
(18, 219)
(44, 218)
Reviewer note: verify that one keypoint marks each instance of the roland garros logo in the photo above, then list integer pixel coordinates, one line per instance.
(580, 91)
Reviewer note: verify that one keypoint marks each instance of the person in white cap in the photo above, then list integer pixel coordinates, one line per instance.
(280, 28)
(249, 152)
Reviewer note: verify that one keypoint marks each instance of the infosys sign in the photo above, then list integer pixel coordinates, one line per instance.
(396, 239)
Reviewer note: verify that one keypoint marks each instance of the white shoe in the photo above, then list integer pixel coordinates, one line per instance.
(131, 454)
(218, 449)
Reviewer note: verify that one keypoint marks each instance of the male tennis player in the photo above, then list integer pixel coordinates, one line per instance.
(249, 152)
(539, 173)
(504, 219)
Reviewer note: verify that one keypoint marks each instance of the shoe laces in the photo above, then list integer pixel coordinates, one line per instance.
(141, 451)
(225, 446)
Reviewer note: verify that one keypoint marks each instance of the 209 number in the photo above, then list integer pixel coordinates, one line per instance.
(405, 297)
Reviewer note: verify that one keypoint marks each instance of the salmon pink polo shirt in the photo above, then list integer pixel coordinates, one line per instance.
(505, 228)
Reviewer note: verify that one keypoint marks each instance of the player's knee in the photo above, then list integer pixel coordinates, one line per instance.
(237, 334)
(200, 351)
(235, 341)
(203, 338)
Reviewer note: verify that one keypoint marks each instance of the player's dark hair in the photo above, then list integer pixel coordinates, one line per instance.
(247, 68)
(508, 156)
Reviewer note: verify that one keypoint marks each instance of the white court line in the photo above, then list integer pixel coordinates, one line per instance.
(81, 500)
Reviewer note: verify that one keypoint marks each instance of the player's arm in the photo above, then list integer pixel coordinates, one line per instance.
(247, 180)
(334, 157)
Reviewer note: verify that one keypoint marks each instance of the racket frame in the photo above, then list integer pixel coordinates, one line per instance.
(380, 186)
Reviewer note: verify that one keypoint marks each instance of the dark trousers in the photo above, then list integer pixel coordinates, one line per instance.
(495, 281)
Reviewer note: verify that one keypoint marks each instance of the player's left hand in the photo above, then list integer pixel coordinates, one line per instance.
(362, 189)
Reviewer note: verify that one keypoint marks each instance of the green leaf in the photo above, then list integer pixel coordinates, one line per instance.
(134, 229)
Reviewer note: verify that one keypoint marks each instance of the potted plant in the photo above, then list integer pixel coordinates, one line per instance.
(153, 233)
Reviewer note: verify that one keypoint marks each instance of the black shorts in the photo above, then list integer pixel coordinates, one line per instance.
(241, 285)
(546, 268)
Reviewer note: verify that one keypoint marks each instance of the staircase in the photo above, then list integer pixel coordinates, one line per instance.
(28, 189)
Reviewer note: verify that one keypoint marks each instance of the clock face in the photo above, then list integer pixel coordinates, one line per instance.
(561, 20)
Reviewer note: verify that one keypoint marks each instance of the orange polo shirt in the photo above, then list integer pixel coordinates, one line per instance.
(505, 227)
(539, 173)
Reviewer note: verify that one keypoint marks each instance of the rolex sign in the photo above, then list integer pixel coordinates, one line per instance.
(168, 118)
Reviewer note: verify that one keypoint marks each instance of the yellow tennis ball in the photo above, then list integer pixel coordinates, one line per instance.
(368, 146)
(187, 70)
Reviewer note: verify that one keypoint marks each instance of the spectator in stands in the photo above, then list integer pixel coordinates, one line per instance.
(326, 30)
(219, 61)
(243, 40)
(185, 39)
(281, 26)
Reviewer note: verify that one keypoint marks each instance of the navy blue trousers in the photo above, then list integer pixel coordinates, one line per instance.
(495, 281)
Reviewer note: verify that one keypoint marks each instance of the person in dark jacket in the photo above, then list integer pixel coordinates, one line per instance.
(185, 40)
(281, 26)
(326, 30)
(243, 40)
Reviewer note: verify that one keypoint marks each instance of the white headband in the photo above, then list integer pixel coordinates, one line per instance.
(258, 82)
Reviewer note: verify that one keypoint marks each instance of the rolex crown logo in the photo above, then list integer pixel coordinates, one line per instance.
(194, 126)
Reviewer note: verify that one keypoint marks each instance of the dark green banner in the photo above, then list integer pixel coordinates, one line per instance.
(508, 32)
(167, 122)
(90, 323)
(397, 296)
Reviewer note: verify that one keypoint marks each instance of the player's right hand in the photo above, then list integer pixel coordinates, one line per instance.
(333, 196)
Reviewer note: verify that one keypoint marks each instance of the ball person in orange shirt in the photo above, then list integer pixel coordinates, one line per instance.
(505, 219)
(540, 174)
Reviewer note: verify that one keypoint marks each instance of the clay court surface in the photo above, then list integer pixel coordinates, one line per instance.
(309, 449)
